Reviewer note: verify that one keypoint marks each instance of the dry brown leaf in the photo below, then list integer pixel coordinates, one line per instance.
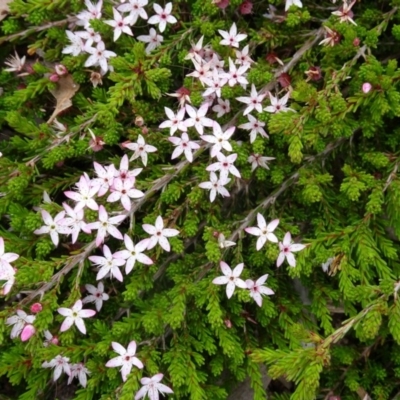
(4, 9)
(63, 93)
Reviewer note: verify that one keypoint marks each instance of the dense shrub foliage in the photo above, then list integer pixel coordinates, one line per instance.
(191, 190)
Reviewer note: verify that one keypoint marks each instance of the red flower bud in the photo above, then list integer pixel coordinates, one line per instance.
(35, 308)
(284, 80)
(246, 7)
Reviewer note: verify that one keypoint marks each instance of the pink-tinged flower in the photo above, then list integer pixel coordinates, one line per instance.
(96, 143)
(61, 69)
(140, 149)
(27, 332)
(36, 308)
(231, 38)
(278, 105)
(15, 63)
(60, 364)
(75, 316)
(99, 56)
(198, 118)
(90, 35)
(124, 191)
(254, 126)
(202, 71)
(263, 231)
(96, 296)
(253, 102)
(109, 264)
(209, 100)
(236, 75)
(183, 96)
(231, 278)
(242, 56)
(84, 197)
(366, 87)
(345, 13)
(135, 8)
(79, 371)
(6, 258)
(219, 139)
(257, 289)
(216, 185)
(287, 248)
(133, 253)
(215, 83)
(159, 234)
(152, 387)
(7, 275)
(331, 37)
(105, 226)
(19, 321)
(76, 47)
(153, 39)
(256, 160)
(74, 222)
(126, 359)
(225, 165)
(197, 51)
(162, 16)
(52, 226)
(93, 12)
(183, 145)
(290, 3)
(50, 339)
(105, 177)
(120, 24)
(223, 107)
(124, 172)
(175, 121)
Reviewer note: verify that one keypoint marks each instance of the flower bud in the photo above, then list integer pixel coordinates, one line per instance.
(228, 323)
(28, 331)
(54, 340)
(139, 121)
(61, 69)
(246, 7)
(54, 77)
(222, 4)
(145, 130)
(284, 80)
(366, 87)
(356, 42)
(35, 308)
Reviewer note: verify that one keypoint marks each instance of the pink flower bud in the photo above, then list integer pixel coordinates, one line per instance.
(35, 308)
(366, 87)
(222, 4)
(246, 7)
(145, 130)
(54, 340)
(228, 323)
(27, 332)
(54, 77)
(96, 144)
(356, 42)
(61, 69)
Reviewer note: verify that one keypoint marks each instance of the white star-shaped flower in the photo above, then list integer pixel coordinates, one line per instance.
(74, 222)
(126, 359)
(223, 107)
(162, 16)
(286, 250)
(133, 253)
(140, 149)
(86, 191)
(219, 139)
(124, 191)
(254, 126)
(183, 145)
(96, 296)
(159, 234)
(290, 3)
(225, 165)
(79, 371)
(198, 118)
(236, 75)
(153, 39)
(253, 101)
(175, 121)
(75, 316)
(135, 8)
(278, 105)
(109, 264)
(231, 38)
(152, 387)
(99, 56)
(52, 226)
(256, 160)
(257, 289)
(120, 24)
(231, 278)
(263, 231)
(216, 185)
(60, 364)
